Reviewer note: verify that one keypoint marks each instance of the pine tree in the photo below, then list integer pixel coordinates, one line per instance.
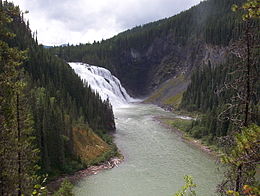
(244, 84)
(17, 153)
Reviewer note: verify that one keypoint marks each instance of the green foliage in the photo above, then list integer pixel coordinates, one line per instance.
(251, 9)
(65, 189)
(181, 124)
(201, 96)
(59, 100)
(188, 188)
(18, 154)
(41, 101)
(242, 161)
(246, 147)
(207, 94)
(174, 101)
(228, 95)
(40, 189)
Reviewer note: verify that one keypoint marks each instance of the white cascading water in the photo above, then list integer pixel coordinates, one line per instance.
(103, 82)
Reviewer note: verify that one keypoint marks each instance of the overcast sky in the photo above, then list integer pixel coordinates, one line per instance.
(81, 21)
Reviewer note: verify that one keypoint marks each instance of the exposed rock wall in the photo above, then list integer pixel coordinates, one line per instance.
(142, 71)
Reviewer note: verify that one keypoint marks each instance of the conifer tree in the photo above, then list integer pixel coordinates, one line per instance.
(245, 79)
(17, 153)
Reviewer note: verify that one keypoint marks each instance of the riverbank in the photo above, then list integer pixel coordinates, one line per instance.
(92, 170)
(155, 162)
(101, 155)
(166, 122)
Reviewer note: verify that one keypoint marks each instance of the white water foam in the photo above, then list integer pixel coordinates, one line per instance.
(104, 83)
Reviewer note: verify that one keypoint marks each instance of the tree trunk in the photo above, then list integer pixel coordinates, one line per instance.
(247, 101)
(19, 140)
(238, 180)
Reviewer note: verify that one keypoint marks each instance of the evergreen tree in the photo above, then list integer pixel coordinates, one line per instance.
(17, 152)
(233, 89)
(242, 161)
(57, 97)
(245, 100)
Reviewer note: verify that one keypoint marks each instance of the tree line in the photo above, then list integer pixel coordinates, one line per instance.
(41, 101)
(228, 96)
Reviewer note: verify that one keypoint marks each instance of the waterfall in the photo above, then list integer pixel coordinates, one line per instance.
(103, 82)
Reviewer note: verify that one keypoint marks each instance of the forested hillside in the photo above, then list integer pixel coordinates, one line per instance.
(218, 51)
(44, 107)
(146, 56)
(214, 93)
(52, 123)
(228, 94)
(227, 97)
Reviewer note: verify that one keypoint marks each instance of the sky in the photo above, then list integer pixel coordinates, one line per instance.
(83, 21)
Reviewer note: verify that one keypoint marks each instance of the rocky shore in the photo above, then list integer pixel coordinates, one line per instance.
(92, 170)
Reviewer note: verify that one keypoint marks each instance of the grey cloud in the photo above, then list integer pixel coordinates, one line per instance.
(117, 15)
(127, 13)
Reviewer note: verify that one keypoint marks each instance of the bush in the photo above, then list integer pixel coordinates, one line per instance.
(197, 132)
(65, 189)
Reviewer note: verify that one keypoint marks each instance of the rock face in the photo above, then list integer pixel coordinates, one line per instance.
(144, 70)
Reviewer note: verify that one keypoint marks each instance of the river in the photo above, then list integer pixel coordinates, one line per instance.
(156, 159)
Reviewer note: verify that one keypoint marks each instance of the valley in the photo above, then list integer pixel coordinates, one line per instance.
(155, 157)
(130, 115)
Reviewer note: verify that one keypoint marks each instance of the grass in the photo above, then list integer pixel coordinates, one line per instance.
(155, 96)
(159, 93)
(174, 101)
(90, 148)
(181, 124)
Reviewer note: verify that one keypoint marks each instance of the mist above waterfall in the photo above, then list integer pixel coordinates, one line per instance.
(103, 82)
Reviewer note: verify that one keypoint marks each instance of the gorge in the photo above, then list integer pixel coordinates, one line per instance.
(58, 119)
(155, 158)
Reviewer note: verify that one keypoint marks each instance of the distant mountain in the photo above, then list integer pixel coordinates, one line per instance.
(47, 46)
(62, 45)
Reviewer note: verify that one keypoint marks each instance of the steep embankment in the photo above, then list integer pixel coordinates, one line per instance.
(58, 102)
(89, 147)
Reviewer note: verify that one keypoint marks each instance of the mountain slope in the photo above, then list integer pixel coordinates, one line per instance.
(58, 101)
(148, 55)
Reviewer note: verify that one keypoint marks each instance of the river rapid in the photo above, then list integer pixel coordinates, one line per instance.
(156, 159)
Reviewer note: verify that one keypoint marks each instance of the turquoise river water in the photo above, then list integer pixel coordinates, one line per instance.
(156, 159)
